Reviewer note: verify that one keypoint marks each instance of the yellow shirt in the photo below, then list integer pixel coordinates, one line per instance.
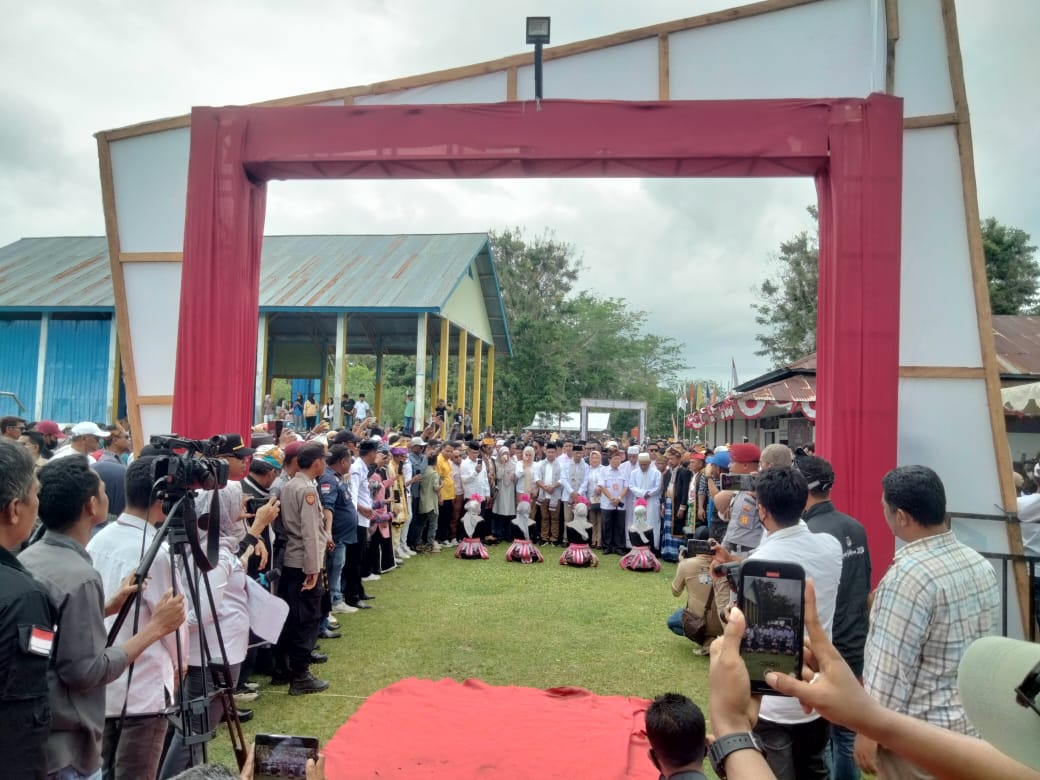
(447, 483)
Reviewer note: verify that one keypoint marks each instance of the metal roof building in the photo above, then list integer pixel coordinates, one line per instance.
(321, 297)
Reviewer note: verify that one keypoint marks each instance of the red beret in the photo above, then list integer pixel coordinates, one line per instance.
(745, 453)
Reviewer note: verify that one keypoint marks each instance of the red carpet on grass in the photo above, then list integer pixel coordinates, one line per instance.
(445, 729)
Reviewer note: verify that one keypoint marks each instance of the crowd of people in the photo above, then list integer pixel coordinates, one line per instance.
(310, 517)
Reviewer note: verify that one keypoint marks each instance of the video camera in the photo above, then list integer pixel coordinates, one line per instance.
(731, 571)
(196, 468)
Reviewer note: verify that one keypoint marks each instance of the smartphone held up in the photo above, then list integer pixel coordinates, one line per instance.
(772, 597)
(279, 756)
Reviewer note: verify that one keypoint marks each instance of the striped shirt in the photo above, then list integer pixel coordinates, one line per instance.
(936, 599)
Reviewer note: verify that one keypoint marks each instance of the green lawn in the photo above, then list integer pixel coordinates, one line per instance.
(542, 625)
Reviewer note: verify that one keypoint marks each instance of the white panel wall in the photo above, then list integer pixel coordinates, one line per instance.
(151, 183)
(479, 89)
(156, 420)
(937, 305)
(626, 72)
(922, 69)
(960, 453)
(153, 294)
(828, 49)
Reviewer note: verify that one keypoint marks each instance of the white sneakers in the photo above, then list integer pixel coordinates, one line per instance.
(343, 607)
(371, 578)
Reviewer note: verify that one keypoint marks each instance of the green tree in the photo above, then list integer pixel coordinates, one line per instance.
(787, 303)
(787, 300)
(567, 344)
(1011, 269)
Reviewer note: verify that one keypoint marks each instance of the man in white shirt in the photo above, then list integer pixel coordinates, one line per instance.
(84, 439)
(574, 470)
(362, 496)
(645, 482)
(795, 742)
(613, 491)
(361, 408)
(550, 488)
(134, 749)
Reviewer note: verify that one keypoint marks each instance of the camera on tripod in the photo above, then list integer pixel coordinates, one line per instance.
(197, 468)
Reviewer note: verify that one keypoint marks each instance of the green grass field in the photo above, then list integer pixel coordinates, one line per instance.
(541, 625)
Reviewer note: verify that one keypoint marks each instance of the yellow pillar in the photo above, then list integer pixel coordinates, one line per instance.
(489, 395)
(463, 354)
(478, 355)
(442, 369)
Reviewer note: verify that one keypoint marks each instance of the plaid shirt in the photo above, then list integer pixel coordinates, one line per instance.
(936, 599)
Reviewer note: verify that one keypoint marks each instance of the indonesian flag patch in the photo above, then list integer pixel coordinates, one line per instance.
(40, 641)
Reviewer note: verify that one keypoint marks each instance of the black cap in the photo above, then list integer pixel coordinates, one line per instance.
(232, 444)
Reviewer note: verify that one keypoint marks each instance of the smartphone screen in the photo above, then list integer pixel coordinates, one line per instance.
(278, 756)
(772, 598)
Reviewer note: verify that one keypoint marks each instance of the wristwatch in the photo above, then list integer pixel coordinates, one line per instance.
(731, 743)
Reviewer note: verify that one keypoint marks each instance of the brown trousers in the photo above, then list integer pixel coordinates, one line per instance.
(550, 531)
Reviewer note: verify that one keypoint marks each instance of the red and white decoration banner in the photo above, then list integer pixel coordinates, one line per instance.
(751, 408)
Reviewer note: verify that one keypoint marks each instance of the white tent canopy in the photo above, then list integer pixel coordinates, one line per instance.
(1024, 399)
(569, 422)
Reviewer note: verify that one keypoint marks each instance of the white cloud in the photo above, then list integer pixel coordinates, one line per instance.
(687, 252)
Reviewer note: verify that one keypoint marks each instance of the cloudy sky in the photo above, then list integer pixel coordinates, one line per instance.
(72, 68)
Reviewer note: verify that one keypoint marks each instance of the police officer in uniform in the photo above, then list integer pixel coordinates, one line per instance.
(300, 584)
(26, 624)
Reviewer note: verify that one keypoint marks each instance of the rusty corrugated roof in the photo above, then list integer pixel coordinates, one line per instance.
(795, 388)
(385, 273)
(1017, 339)
(56, 273)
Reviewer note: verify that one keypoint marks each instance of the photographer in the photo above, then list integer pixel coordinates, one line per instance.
(227, 581)
(700, 620)
(135, 724)
(795, 742)
(72, 502)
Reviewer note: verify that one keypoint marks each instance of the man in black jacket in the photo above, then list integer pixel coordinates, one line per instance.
(26, 624)
(850, 616)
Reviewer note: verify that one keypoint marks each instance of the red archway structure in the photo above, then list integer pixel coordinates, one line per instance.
(852, 147)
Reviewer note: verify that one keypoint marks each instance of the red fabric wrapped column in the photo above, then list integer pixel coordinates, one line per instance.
(857, 378)
(220, 281)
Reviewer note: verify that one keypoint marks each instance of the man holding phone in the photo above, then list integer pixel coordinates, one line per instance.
(795, 742)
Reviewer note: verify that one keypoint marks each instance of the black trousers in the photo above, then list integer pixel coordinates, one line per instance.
(351, 579)
(300, 632)
(444, 513)
(613, 529)
(795, 752)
